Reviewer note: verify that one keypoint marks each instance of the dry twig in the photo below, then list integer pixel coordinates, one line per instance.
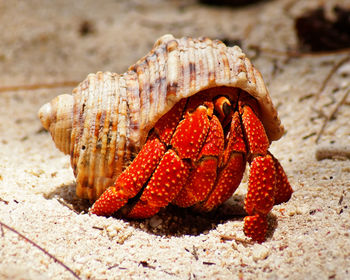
(40, 248)
(4, 201)
(331, 152)
(39, 86)
(330, 74)
(331, 115)
(243, 241)
(69, 206)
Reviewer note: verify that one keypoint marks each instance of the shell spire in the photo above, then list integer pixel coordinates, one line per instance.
(56, 117)
(106, 120)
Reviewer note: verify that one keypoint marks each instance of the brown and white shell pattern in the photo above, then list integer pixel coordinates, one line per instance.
(105, 122)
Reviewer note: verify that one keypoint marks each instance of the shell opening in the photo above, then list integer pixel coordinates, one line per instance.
(57, 118)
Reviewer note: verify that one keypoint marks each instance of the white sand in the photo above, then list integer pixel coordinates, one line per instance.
(40, 42)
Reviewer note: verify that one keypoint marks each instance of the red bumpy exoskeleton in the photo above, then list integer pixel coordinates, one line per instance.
(196, 156)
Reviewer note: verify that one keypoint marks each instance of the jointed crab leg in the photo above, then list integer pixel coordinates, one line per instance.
(186, 143)
(130, 182)
(260, 197)
(232, 168)
(266, 180)
(165, 183)
(283, 190)
(203, 176)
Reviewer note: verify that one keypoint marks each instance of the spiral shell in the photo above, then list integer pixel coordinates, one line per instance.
(105, 122)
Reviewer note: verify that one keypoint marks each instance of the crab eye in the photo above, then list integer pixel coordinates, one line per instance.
(222, 107)
(226, 109)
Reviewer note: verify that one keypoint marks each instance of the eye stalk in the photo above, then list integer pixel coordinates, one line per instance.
(57, 118)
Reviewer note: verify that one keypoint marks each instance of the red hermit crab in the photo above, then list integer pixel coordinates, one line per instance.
(178, 127)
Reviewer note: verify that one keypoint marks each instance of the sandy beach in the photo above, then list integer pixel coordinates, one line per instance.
(48, 47)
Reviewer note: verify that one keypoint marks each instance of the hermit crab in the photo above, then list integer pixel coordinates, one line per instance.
(178, 127)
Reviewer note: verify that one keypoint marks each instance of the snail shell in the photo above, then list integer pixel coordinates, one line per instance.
(105, 121)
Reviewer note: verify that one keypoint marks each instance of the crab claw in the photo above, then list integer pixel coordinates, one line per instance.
(165, 183)
(204, 173)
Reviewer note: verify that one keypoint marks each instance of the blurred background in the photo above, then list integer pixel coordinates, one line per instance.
(302, 49)
(51, 41)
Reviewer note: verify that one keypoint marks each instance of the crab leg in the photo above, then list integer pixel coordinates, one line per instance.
(262, 179)
(173, 170)
(202, 177)
(233, 166)
(260, 197)
(226, 184)
(283, 190)
(268, 185)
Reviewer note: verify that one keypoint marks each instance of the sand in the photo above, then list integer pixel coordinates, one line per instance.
(45, 42)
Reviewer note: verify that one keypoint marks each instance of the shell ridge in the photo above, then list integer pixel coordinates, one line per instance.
(84, 149)
(204, 76)
(184, 61)
(78, 128)
(249, 70)
(226, 67)
(191, 67)
(172, 71)
(122, 124)
(220, 66)
(161, 58)
(113, 129)
(133, 114)
(143, 76)
(211, 68)
(197, 62)
(101, 167)
(96, 100)
(152, 67)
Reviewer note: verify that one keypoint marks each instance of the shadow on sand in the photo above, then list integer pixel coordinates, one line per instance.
(172, 220)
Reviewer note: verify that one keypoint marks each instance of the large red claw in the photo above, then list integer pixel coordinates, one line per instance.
(199, 183)
(203, 176)
(166, 182)
(232, 167)
(227, 182)
(190, 134)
